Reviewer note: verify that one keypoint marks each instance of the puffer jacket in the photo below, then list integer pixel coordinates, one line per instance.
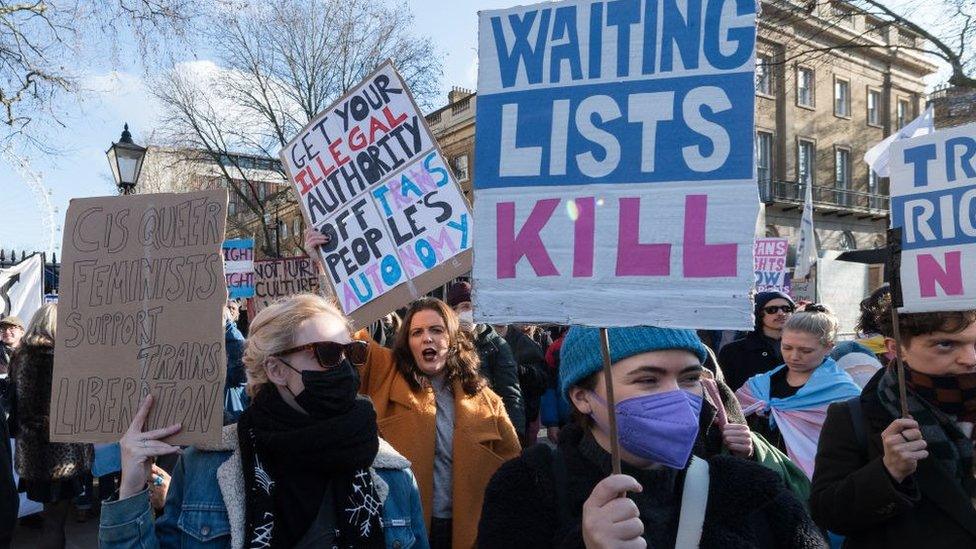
(500, 369)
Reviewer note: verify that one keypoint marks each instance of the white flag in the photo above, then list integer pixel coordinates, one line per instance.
(22, 288)
(877, 156)
(806, 250)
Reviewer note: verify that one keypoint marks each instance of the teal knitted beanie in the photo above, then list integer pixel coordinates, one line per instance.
(581, 357)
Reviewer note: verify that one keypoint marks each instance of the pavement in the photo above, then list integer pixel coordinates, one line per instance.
(79, 535)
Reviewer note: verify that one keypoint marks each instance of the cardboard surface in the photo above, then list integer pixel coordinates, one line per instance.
(370, 175)
(278, 278)
(933, 200)
(140, 311)
(614, 173)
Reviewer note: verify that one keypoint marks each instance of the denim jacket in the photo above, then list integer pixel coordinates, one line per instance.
(205, 504)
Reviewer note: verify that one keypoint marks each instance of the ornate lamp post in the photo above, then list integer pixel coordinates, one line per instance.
(125, 158)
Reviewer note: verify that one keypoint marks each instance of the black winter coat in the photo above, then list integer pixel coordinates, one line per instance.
(746, 357)
(38, 459)
(748, 506)
(532, 375)
(853, 495)
(500, 369)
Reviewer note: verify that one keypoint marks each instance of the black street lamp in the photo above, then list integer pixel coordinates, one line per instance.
(125, 158)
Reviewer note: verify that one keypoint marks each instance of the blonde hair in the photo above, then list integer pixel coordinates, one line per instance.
(273, 330)
(42, 327)
(816, 320)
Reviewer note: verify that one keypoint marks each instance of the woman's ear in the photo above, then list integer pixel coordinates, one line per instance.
(275, 371)
(891, 347)
(580, 398)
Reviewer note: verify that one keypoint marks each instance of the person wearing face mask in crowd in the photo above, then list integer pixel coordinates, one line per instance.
(436, 408)
(788, 405)
(304, 466)
(887, 481)
(758, 352)
(567, 497)
(498, 363)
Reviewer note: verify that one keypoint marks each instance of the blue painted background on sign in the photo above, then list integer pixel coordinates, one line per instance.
(535, 123)
(949, 226)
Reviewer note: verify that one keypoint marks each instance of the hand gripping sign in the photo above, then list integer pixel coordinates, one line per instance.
(369, 175)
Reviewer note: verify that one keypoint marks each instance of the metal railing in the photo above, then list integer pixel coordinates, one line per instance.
(792, 192)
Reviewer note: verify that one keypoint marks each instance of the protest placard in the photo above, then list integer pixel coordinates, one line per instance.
(140, 311)
(933, 188)
(239, 267)
(614, 175)
(277, 278)
(369, 175)
(770, 263)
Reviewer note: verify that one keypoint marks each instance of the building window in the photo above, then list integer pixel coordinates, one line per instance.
(764, 77)
(461, 167)
(804, 87)
(843, 17)
(875, 200)
(842, 175)
(848, 241)
(764, 156)
(232, 207)
(296, 226)
(262, 191)
(806, 156)
(284, 229)
(842, 98)
(902, 113)
(874, 107)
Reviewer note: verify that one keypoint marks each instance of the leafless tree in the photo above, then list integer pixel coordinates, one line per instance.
(278, 64)
(43, 41)
(945, 29)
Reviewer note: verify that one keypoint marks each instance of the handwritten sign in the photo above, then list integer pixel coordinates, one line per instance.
(770, 263)
(139, 312)
(933, 189)
(239, 267)
(277, 278)
(614, 172)
(369, 175)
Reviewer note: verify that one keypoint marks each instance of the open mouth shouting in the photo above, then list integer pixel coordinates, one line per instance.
(429, 354)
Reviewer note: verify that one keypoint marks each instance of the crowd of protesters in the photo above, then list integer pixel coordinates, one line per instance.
(426, 429)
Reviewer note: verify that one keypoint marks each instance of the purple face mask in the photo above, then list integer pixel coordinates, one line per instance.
(661, 427)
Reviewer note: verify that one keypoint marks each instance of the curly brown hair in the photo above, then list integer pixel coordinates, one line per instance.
(876, 313)
(462, 359)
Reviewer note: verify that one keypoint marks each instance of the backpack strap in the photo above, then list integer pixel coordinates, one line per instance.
(694, 500)
(857, 421)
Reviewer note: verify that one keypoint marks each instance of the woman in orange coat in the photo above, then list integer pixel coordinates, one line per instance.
(434, 407)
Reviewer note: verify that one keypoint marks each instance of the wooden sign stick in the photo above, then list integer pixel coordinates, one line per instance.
(611, 402)
(899, 363)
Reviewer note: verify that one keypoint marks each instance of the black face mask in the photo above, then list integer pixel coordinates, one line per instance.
(330, 392)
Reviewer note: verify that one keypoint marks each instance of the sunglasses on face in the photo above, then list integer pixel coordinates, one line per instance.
(773, 309)
(329, 353)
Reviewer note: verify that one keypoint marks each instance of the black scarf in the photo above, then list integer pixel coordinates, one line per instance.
(950, 448)
(289, 459)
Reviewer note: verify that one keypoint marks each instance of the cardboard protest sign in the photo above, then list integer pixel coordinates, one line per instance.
(239, 267)
(141, 311)
(769, 258)
(277, 278)
(614, 174)
(933, 189)
(369, 175)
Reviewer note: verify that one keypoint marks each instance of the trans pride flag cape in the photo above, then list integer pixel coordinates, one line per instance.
(801, 416)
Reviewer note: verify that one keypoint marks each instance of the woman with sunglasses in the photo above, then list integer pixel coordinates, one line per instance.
(437, 410)
(788, 405)
(304, 466)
